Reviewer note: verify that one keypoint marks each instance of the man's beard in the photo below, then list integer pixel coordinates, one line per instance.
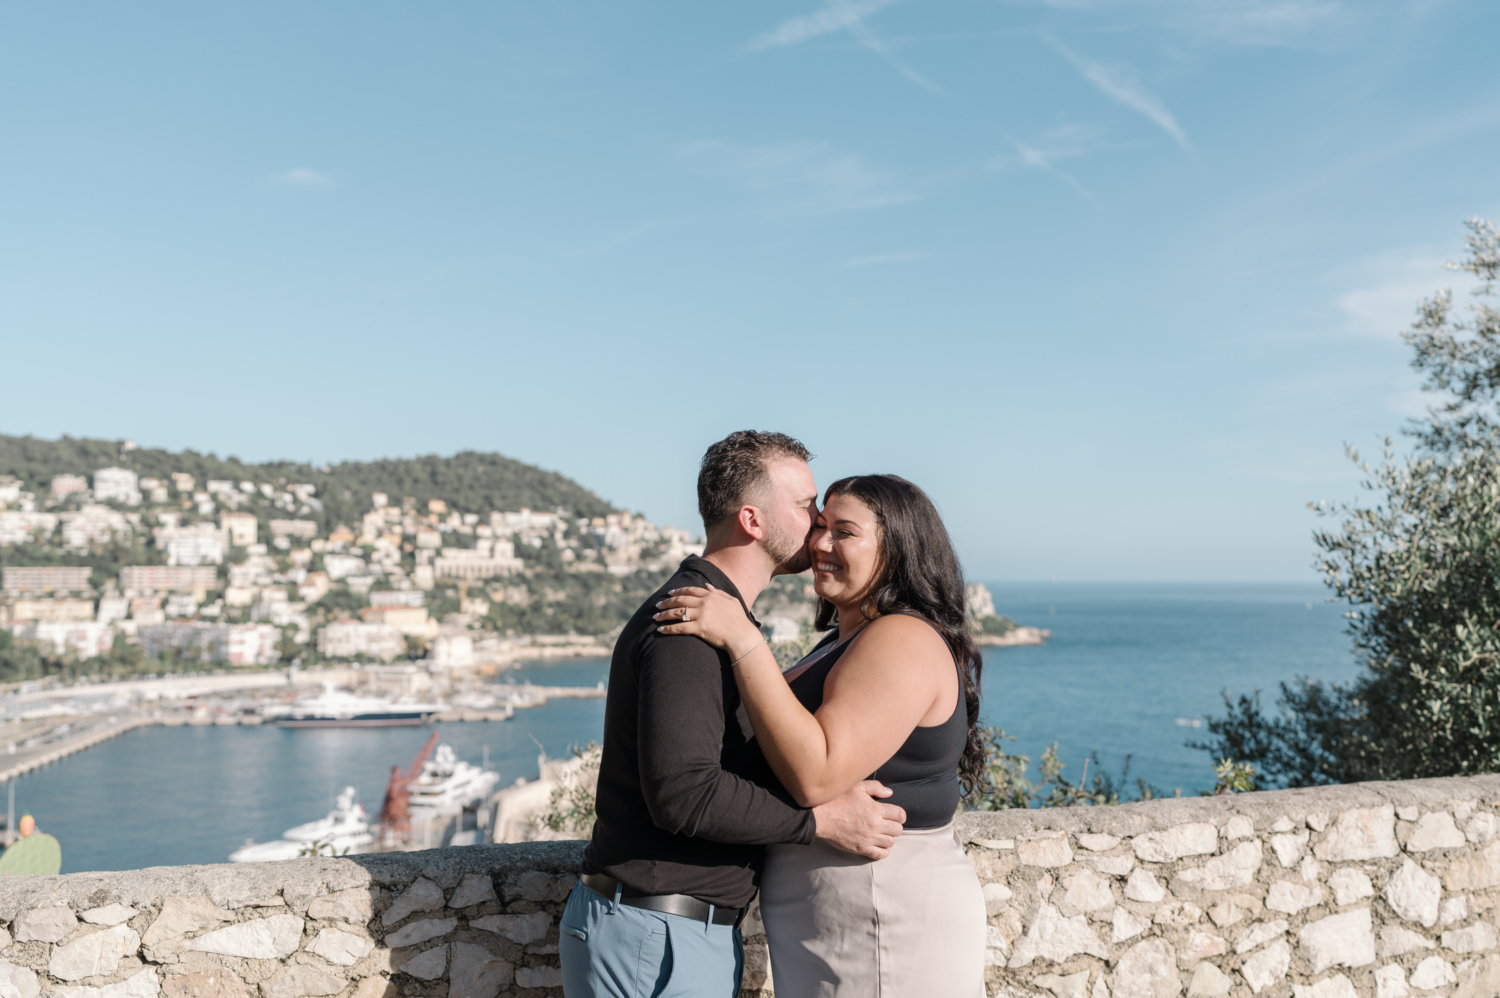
(789, 551)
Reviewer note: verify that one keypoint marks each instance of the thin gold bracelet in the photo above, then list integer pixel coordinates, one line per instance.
(747, 654)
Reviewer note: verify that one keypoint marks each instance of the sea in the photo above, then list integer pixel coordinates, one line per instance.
(1127, 671)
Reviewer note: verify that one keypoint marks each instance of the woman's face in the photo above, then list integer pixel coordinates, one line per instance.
(845, 548)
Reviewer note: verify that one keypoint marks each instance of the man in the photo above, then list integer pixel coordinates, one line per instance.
(681, 827)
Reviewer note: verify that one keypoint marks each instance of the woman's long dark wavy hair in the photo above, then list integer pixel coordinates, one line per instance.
(919, 573)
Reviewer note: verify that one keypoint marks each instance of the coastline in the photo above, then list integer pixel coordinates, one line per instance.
(1017, 637)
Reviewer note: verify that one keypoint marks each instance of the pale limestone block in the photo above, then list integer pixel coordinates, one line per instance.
(1142, 886)
(995, 947)
(1147, 970)
(539, 977)
(1268, 967)
(995, 896)
(1259, 933)
(1436, 830)
(180, 916)
(301, 981)
(1115, 866)
(427, 965)
(1233, 869)
(1390, 982)
(1475, 939)
(422, 895)
(1337, 986)
(1317, 821)
(259, 939)
(540, 887)
(94, 954)
(523, 929)
(1226, 913)
(375, 987)
(1289, 897)
(1408, 812)
(355, 906)
(1282, 824)
(1463, 808)
(420, 932)
(1071, 986)
(1481, 827)
(1044, 886)
(1475, 871)
(17, 981)
(1350, 885)
(477, 973)
(1289, 847)
(5, 940)
(1095, 842)
(1200, 945)
(999, 845)
(141, 984)
(47, 925)
(1480, 979)
(1054, 937)
(1396, 941)
(110, 914)
(1359, 833)
(474, 889)
(216, 983)
(1414, 894)
(1343, 940)
(1087, 891)
(1101, 990)
(1454, 910)
(1127, 925)
(1239, 827)
(1433, 972)
(1209, 982)
(1194, 839)
(1047, 849)
(343, 949)
(1310, 869)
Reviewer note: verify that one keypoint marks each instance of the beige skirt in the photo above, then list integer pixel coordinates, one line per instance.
(911, 925)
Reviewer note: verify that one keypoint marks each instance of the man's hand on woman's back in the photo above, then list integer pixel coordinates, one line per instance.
(859, 823)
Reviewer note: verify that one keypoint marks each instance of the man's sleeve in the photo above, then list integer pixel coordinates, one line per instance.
(681, 737)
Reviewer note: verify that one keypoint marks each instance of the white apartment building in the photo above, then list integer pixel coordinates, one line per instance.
(93, 524)
(182, 481)
(396, 597)
(45, 579)
(167, 578)
(348, 638)
(252, 644)
(477, 563)
(46, 610)
(10, 489)
(22, 527)
(196, 544)
(63, 485)
(342, 566)
(305, 529)
(78, 638)
(117, 485)
(241, 528)
(452, 651)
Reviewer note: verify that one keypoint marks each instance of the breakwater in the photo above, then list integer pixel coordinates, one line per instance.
(1387, 889)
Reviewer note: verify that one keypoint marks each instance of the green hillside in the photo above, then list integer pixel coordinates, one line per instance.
(471, 482)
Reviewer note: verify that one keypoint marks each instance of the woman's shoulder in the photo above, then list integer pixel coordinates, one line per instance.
(908, 634)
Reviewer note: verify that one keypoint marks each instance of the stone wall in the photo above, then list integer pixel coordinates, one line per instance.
(1382, 889)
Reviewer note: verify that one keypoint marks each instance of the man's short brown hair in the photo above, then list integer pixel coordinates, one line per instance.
(734, 471)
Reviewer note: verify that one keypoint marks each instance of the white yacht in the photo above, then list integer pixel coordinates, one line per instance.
(449, 784)
(345, 830)
(335, 708)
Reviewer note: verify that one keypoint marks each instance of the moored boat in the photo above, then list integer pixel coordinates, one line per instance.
(334, 708)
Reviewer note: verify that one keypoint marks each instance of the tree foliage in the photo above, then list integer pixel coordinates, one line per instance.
(1419, 567)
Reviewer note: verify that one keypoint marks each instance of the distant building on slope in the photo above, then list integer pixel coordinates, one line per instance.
(117, 485)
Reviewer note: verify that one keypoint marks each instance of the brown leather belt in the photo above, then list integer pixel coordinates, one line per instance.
(669, 904)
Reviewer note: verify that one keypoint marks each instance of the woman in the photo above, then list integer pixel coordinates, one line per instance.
(892, 695)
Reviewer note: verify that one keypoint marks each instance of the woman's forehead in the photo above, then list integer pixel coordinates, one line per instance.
(842, 507)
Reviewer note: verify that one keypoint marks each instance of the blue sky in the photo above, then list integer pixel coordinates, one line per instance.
(1114, 279)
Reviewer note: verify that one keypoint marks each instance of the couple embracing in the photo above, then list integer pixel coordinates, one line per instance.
(831, 787)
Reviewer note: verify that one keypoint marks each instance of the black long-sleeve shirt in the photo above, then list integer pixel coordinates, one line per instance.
(678, 812)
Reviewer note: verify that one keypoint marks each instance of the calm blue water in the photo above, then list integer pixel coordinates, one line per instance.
(1125, 662)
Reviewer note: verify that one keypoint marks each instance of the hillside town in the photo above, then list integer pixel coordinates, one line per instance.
(233, 574)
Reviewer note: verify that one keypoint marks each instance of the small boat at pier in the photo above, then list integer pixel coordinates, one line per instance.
(334, 708)
(345, 830)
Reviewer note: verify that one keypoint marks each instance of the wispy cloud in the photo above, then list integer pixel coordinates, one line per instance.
(1123, 85)
(1286, 23)
(841, 16)
(300, 176)
(1062, 143)
(812, 178)
(877, 259)
(1389, 289)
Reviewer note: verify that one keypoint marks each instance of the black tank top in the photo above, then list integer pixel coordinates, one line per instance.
(924, 771)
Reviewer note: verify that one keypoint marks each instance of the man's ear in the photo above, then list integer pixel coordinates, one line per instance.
(752, 522)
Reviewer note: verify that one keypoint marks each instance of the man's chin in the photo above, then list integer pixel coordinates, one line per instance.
(796, 565)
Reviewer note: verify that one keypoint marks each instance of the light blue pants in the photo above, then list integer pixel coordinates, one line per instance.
(611, 950)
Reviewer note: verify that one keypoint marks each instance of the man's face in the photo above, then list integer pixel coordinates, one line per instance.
(791, 508)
